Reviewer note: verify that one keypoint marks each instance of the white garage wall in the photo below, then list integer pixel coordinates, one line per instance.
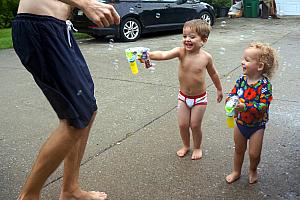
(288, 7)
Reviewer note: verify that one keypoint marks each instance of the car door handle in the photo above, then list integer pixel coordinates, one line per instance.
(138, 5)
(168, 6)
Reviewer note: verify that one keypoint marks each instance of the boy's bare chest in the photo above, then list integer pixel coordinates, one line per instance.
(195, 65)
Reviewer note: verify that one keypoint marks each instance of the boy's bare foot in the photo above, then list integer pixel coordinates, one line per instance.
(83, 195)
(182, 152)
(253, 176)
(197, 154)
(232, 177)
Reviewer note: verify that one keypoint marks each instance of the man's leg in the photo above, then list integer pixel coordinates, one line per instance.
(70, 186)
(184, 127)
(51, 154)
(197, 114)
(239, 152)
(255, 147)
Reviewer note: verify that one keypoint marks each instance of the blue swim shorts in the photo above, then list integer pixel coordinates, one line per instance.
(47, 49)
(247, 132)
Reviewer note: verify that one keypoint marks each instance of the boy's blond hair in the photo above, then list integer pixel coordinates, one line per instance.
(268, 56)
(201, 27)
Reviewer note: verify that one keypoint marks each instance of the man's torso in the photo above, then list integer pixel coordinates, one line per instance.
(52, 8)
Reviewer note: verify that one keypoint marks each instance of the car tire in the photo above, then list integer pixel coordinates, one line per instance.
(130, 30)
(206, 16)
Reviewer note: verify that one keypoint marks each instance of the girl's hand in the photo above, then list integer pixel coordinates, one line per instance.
(240, 107)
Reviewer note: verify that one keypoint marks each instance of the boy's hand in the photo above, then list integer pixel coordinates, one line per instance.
(219, 95)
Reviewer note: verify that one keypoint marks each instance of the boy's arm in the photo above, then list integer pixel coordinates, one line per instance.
(215, 78)
(164, 55)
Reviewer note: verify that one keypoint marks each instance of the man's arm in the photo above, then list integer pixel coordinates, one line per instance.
(99, 13)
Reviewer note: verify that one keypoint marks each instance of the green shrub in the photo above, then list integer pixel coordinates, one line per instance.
(8, 10)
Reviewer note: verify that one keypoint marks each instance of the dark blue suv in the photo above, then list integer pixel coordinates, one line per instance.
(145, 16)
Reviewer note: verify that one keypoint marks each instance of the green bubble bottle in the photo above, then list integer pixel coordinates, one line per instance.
(229, 108)
(131, 57)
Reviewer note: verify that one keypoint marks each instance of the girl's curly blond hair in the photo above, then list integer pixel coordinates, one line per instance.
(268, 56)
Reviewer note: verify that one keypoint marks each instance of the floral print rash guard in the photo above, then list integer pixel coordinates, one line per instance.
(257, 98)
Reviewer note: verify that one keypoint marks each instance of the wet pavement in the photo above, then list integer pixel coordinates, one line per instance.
(131, 153)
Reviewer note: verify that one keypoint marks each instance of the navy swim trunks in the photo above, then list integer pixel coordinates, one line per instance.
(47, 49)
(247, 132)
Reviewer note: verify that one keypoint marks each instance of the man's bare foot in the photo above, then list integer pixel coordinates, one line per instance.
(83, 195)
(183, 151)
(253, 177)
(197, 154)
(232, 177)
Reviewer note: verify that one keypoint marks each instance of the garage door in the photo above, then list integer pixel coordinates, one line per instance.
(288, 7)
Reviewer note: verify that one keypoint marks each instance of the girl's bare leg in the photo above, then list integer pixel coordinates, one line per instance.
(184, 127)
(240, 147)
(70, 186)
(197, 114)
(255, 147)
(51, 154)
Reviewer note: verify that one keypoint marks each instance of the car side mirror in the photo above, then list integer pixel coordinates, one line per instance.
(181, 1)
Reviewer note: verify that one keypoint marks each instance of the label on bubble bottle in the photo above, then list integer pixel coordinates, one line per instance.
(134, 67)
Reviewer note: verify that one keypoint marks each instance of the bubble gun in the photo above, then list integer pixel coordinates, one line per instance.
(140, 54)
(229, 108)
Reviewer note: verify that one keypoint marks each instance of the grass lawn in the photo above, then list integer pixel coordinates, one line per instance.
(5, 38)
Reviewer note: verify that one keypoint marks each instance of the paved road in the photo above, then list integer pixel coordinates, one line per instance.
(131, 151)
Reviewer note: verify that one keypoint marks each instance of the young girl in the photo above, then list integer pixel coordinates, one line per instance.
(194, 62)
(254, 89)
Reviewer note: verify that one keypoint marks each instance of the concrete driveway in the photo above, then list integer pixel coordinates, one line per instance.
(131, 153)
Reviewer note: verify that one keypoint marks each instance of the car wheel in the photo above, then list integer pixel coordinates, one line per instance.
(130, 30)
(206, 16)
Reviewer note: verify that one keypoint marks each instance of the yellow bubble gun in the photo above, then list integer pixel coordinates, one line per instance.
(229, 108)
(137, 53)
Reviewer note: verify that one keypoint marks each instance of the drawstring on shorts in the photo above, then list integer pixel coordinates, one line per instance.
(70, 27)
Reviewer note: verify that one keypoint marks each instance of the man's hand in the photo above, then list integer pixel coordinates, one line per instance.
(101, 14)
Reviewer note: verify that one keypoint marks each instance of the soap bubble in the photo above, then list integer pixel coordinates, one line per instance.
(151, 69)
(222, 50)
(131, 10)
(242, 37)
(281, 13)
(79, 92)
(223, 23)
(110, 44)
(115, 64)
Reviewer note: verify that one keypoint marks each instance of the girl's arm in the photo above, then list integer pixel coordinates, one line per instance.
(164, 55)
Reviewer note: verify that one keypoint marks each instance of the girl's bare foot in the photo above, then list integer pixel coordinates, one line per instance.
(232, 177)
(253, 176)
(197, 154)
(83, 195)
(182, 152)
